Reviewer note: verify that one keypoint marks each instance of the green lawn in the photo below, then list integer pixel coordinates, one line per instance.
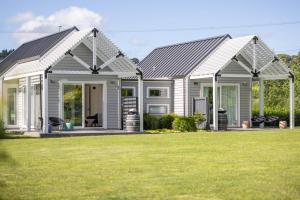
(231, 165)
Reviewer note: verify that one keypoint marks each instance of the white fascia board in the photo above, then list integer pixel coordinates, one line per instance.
(22, 75)
(236, 75)
(201, 76)
(274, 77)
(121, 74)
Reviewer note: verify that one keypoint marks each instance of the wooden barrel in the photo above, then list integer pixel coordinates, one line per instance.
(222, 121)
(282, 124)
(133, 123)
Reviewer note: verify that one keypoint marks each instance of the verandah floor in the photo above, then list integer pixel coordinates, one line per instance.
(102, 132)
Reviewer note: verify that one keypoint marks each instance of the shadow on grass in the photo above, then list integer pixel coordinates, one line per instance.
(5, 159)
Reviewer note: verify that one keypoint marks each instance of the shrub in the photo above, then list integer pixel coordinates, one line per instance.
(166, 121)
(150, 122)
(199, 118)
(184, 124)
(2, 129)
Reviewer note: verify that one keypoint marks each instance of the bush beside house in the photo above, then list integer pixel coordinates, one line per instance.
(172, 121)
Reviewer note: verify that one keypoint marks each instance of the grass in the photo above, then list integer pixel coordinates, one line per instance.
(227, 165)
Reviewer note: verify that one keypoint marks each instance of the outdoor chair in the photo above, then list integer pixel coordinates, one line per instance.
(56, 122)
(256, 121)
(272, 121)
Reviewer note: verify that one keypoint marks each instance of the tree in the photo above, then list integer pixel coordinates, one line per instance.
(5, 53)
(135, 60)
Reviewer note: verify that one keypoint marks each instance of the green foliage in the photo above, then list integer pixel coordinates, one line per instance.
(199, 118)
(2, 129)
(165, 121)
(5, 53)
(150, 122)
(184, 124)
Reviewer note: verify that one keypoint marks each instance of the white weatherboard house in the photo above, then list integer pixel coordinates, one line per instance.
(220, 68)
(71, 75)
(75, 75)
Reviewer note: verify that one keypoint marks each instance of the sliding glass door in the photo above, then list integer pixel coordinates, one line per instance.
(227, 99)
(72, 103)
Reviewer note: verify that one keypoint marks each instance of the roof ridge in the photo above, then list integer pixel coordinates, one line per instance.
(193, 41)
(72, 28)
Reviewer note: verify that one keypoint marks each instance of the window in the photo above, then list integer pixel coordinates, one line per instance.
(158, 109)
(158, 92)
(11, 106)
(128, 91)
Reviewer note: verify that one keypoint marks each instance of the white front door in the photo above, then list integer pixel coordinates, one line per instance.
(228, 99)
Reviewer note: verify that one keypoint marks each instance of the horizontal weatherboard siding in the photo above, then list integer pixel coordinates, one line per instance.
(156, 100)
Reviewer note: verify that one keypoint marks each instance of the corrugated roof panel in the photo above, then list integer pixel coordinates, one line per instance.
(33, 49)
(179, 59)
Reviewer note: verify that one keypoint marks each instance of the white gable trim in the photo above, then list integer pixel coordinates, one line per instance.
(263, 61)
(74, 39)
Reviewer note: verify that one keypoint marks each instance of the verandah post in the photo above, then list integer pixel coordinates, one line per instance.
(215, 102)
(261, 100)
(292, 103)
(27, 109)
(45, 103)
(141, 98)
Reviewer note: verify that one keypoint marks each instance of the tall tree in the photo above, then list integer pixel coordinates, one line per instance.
(5, 53)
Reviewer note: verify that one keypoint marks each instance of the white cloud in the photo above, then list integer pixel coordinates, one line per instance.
(43, 25)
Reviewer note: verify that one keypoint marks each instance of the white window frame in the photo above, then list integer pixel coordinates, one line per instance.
(155, 88)
(129, 87)
(83, 83)
(150, 104)
(9, 86)
(238, 111)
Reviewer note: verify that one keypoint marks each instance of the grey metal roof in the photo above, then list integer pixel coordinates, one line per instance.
(178, 60)
(33, 49)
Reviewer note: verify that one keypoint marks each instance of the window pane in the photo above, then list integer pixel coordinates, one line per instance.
(153, 109)
(11, 101)
(159, 92)
(127, 92)
(73, 104)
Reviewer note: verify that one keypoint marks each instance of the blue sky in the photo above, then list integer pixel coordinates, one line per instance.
(160, 14)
